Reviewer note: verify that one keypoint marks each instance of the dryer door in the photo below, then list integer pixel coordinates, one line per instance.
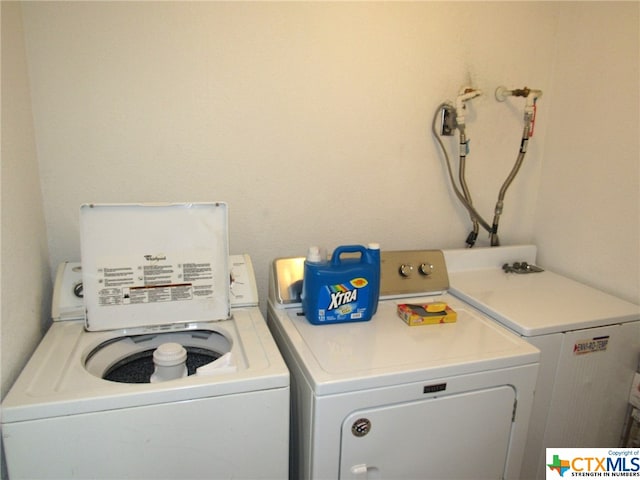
(417, 439)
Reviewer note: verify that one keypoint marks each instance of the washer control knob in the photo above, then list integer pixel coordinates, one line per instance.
(426, 269)
(406, 270)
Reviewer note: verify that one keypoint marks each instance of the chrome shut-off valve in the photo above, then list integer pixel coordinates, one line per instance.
(521, 267)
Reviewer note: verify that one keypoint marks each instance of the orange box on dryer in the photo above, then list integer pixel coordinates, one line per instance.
(426, 313)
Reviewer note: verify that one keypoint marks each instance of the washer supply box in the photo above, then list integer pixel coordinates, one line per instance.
(426, 314)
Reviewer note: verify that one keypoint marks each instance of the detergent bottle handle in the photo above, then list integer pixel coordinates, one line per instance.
(335, 257)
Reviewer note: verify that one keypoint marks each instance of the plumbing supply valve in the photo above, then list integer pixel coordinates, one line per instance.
(531, 96)
(466, 94)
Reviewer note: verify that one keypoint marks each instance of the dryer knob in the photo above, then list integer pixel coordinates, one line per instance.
(406, 270)
(426, 269)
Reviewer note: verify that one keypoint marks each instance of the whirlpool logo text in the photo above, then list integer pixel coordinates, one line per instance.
(593, 462)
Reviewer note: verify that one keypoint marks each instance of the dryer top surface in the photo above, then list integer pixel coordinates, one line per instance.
(386, 351)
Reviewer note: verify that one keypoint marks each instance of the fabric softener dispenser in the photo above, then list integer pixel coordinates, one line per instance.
(343, 289)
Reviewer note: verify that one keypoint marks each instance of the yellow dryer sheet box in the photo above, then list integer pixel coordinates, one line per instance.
(426, 313)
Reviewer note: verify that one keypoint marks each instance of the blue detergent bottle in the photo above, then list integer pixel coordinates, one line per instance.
(342, 289)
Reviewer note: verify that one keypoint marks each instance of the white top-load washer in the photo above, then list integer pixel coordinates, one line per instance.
(589, 342)
(382, 399)
(91, 402)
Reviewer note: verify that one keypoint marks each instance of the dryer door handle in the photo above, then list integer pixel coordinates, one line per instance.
(362, 470)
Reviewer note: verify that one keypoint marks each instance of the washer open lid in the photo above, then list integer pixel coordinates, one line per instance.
(154, 264)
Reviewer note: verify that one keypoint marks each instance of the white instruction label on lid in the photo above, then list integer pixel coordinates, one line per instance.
(159, 279)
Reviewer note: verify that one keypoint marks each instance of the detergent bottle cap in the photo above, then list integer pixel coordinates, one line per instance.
(373, 246)
(316, 254)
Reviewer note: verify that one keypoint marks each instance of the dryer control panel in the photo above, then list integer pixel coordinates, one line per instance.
(412, 272)
(403, 273)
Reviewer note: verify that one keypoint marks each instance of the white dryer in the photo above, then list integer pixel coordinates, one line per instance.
(381, 399)
(589, 343)
(86, 406)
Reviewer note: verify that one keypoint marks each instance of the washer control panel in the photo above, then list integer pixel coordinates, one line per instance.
(412, 272)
